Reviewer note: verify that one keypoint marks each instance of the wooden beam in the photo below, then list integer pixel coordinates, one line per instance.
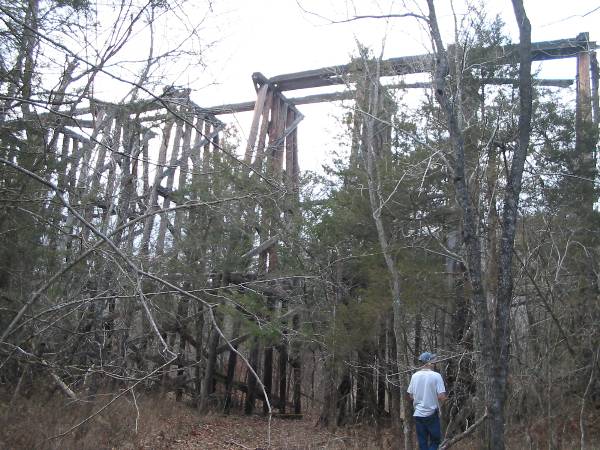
(584, 99)
(262, 247)
(289, 152)
(347, 95)
(264, 128)
(350, 94)
(332, 75)
(258, 111)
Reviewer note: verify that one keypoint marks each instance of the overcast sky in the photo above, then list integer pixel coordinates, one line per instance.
(282, 36)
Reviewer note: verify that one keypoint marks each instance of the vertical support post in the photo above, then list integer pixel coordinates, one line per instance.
(64, 158)
(199, 331)
(183, 173)
(264, 129)
(252, 382)
(164, 218)
(231, 365)
(584, 97)
(181, 319)
(289, 153)
(296, 367)
(268, 368)
(283, 359)
(152, 193)
(113, 157)
(206, 178)
(258, 113)
(584, 133)
(208, 386)
(595, 105)
(296, 164)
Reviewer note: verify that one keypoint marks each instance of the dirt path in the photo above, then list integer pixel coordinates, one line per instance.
(240, 432)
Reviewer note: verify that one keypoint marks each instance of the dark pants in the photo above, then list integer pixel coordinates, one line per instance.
(429, 433)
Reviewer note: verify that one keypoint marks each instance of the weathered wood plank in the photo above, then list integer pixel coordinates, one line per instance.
(183, 174)
(113, 158)
(350, 94)
(258, 110)
(262, 136)
(170, 171)
(289, 152)
(296, 165)
(541, 51)
(152, 193)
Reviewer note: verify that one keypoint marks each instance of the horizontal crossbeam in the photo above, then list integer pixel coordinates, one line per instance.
(232, 108)
(494, 56)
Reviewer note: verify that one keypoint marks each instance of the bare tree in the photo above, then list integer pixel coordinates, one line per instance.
(494, 344)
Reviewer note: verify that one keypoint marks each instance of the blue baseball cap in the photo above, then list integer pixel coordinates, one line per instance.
(427, 357)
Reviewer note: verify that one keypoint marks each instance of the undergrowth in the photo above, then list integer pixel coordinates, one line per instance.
(37, 423)
(155, 421)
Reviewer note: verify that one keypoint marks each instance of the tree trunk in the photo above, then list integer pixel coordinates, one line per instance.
(268, 376)
(208, 385)
(231, 364)
(369, 154)
(296, 363)
(252, 381)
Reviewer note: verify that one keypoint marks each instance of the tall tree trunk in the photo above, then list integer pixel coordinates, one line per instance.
(268, 376)
(283, 360)
(509, 222)
(470, 237)
(494, 347)
(296, 363)
(208, 383)
(369, 153)
(231, 364)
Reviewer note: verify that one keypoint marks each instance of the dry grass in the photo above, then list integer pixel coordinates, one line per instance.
(35, 424)
(163, 423)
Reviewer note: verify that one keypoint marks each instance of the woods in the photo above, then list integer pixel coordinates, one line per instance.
(150, 251)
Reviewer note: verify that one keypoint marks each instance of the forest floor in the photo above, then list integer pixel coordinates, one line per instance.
(215, 431)
(160, 423)
(219, 431)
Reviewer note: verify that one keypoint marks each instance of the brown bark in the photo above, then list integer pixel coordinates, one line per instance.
(231, 365)
(208, 382)
(252, 382)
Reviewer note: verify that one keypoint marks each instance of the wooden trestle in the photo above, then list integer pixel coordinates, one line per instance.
(104, 152)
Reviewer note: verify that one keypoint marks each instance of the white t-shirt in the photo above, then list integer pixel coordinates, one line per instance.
(425, 385)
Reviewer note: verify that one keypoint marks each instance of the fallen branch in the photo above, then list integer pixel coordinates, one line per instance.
(459, 437)
(63, 386)
(59, 382)
(129, 389)
(232, 442)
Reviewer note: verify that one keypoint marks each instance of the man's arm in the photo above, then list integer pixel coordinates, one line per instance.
(441, 390)
(409, 390)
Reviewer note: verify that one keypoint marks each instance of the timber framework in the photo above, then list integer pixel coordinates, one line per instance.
(134, 158)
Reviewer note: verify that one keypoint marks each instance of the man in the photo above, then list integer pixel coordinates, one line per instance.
(427, 391)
